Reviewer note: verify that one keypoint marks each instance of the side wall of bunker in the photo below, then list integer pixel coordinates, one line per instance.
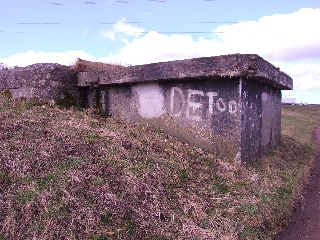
(260, 119)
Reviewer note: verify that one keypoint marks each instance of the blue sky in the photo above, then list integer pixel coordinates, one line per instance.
(284, 32)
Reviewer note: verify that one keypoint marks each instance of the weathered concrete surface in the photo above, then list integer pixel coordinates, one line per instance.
(205, 114)
(228, 104)
(46, 82)
(250, 66)
(261, 119)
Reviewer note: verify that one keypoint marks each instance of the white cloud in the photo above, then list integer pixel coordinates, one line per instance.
(289, 41)
(86, 31)
(278, 37)
(155, 47)
(31, 57)
(146, 13)
(108, 34)
(306, 75)
(121, 31)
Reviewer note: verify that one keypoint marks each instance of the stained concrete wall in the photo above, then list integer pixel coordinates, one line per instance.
(230, 105)
(46, 82)
(261, 119)
(236, 119)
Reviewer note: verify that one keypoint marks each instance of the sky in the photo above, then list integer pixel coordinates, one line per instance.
(286, 33)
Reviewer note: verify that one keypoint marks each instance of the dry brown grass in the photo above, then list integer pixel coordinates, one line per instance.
(88, 66)
(69, 174)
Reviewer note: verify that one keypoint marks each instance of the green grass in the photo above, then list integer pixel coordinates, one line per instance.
(68, 174)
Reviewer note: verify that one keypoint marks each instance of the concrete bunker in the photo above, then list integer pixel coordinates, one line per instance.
(43, 81)
(228, 104)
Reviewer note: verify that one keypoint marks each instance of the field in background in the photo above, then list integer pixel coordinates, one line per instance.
(69, 174)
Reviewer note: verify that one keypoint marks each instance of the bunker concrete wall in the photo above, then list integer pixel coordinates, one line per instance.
(237, 119)
(46, 82)
(261, 119)
(204, 113)
(229, 104)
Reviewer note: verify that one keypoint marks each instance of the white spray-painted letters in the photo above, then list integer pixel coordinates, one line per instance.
(194, 108)
(189, 103)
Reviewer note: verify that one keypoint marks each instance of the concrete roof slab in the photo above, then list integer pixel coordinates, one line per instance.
(248, 66)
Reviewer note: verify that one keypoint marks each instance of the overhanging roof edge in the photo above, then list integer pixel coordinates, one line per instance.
(236, 65)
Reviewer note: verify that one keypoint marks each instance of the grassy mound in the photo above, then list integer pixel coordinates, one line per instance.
(69, 174)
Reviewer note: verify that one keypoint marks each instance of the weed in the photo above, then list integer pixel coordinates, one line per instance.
(249, 209)
(133, 134)
(93, 124)
(205, 160)
(70, 163)
(159, 131)
(28, 196)
(48, 182)
(113, 151)
(5, 178)
(87, 66)
(57, 210)
(98, 237)
(130, 226)
(159, 237)
(32, 102)
(6, 94)
(212, 211)
(67, 101)
(106, 218)
(92, 137)
(183, 175)
(220, 188)
(250, 232)
(98, 181)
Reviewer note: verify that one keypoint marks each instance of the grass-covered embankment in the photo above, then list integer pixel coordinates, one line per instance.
(68, 174)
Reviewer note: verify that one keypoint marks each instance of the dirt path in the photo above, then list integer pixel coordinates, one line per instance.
(305, 223)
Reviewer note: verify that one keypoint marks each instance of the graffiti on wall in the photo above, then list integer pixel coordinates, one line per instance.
(192, 105)
(153, 102)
